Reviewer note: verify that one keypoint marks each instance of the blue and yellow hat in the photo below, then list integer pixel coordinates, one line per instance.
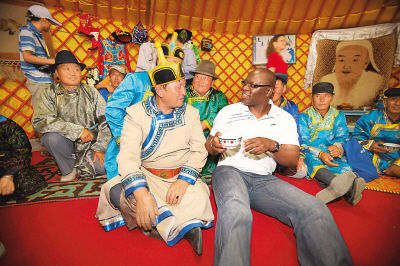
(172, 50)
(165, 72)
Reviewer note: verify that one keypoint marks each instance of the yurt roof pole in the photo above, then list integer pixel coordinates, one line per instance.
(260, 30)
(178, 14)
(321, 7)
(347, 14)
(253, 12)
(291, 16)
(304, 16)
(240, 16)
(362, 13)
(277, 17)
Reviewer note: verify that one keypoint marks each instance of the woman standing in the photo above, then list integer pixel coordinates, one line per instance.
(275, 61)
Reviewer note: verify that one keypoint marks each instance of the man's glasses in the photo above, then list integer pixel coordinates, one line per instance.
(253, 86)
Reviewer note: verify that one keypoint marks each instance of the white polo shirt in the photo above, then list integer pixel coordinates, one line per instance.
(237, 119)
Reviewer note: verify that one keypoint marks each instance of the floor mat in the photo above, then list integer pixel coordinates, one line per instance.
(385, 184)
(56, 190)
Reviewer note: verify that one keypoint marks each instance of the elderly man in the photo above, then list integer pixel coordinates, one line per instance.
(375, 128)
(116, 75)
(243, 180)
(354, 84)
(70, 114)
(33, 51)
(209, 101)
(323, 131)
(281, 101)
(133, 89)
(162, 152)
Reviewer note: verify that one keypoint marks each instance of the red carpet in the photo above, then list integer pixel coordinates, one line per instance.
(66, 233)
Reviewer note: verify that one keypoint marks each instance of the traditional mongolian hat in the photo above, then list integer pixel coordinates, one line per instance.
(173, 50)
(122, 36)
(392, 92)
(165, 72)
(323, 87)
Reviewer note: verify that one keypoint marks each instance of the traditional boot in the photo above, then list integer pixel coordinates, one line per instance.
(355, 194)
(194, 237)
(153, 233)
(338, 187)
(95, 40)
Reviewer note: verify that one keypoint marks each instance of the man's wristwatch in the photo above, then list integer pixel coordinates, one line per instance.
(277, 147)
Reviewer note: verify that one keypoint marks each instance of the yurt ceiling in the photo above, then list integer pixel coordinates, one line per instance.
(242, 16)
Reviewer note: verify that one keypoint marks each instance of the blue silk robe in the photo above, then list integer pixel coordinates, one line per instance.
(376, 126)
(318, 133)
(133, 89)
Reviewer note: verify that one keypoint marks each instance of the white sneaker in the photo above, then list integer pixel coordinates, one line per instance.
(69, 177)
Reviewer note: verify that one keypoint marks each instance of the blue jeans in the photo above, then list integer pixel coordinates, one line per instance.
(319, 241)
(63, 151)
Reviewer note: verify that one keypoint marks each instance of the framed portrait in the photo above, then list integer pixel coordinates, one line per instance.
(260, 44)
(358, 69)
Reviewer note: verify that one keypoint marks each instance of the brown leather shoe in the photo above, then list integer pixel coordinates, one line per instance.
(194, 237)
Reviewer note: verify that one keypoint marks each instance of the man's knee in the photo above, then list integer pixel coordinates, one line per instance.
(115, 195)
(52, 139)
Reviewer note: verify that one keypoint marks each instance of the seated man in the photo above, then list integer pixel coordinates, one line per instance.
(243, 180)
(18, 178)
(382, 126)
(209, 102)
(162, 152)
(323, 131)
(70, 114)
(116, 75)
(133, 89)
(281, 101)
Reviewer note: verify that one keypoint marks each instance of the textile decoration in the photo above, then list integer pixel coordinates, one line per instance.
(335, 58)
(231, 54)
(359, 33)
(385, 184)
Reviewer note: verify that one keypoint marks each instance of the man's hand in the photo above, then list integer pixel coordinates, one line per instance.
(259, 145)
(176, 192)
(334, 151)
(99, 156)
(300, 164)
(146, 209)
(327, 159)
(377, 148)
(6, 185)
(215, 144)
(86, 135)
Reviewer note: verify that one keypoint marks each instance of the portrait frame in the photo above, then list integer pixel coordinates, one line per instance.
(260, 44)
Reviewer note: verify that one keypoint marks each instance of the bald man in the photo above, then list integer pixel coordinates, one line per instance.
(354, 85)
(243, 181)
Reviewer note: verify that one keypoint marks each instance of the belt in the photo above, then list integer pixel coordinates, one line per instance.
(164, 173)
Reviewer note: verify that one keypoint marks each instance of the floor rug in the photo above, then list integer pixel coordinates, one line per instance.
(56, 190)
(385, 184)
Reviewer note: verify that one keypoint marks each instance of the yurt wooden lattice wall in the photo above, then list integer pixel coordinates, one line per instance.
(232, 54)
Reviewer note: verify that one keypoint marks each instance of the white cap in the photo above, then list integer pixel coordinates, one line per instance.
(119, 68)
(42, 12)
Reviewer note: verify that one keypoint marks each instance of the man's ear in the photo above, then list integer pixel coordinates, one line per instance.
(159, 90)
(284, 89)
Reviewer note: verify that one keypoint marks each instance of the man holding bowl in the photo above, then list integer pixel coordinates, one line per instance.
(379, 132)
(243, 180)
